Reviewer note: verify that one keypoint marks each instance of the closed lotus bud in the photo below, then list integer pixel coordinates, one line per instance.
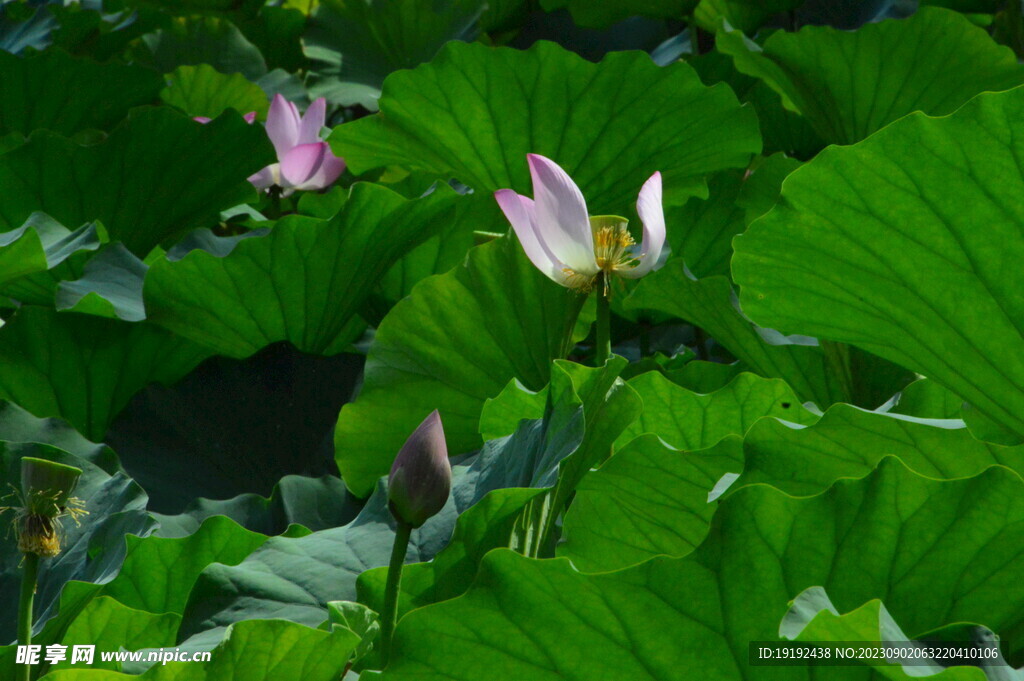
(46, 487)
(421, 477)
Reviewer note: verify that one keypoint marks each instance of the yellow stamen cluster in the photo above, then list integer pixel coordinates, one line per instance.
(38, 523)
(612, 241)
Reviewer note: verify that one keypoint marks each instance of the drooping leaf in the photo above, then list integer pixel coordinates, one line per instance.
(84, 369)
(156, 176)
(211, 40)
(474, 113)
(871, 246)
(849, 442)
(55, 91)
(304, 282)
(110, 286)
(934, 552)
(450, 346)
(37, 246)
(849, 84)
(355, 45)
(314, 503)
(201, 90)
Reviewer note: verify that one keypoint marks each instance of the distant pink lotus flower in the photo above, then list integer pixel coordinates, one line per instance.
(570, 246)
(250, 118)
(304, 161)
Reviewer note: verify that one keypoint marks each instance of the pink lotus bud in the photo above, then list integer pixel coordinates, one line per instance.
(421, 477)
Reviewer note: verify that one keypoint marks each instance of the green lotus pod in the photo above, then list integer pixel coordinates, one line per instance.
(421, 477)
(47, 486)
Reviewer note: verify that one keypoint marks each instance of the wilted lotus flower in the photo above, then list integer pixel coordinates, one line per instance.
(421, 477)
(304, 162)
(568, 245)
(250, 118)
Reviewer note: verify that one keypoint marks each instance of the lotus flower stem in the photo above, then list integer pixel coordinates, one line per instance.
(389, 618)
(603, 345)
(29, 575)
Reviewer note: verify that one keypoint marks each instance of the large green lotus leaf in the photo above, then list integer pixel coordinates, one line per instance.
(934, 552)
(304, 282)
(202, 90)
(691, 421)
(84, 369)
(449, 346)
(115, 504)
(314, 503)
(604, 14)
(65, 94)
(156, 176)
(849, 84)
(813, 617)
(648, 500)
(262, 650)
(746, 15)
(849, 442)
(474, 113)
(146, 599)
(209, 40)
(355, 44)
(871, 246)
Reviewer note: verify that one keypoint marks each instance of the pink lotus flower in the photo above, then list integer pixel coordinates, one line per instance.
(304, 161)
(570, 246)
(250, 118)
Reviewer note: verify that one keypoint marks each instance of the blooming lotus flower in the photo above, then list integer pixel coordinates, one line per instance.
(303, 160)
(250, 118)
(421, 477)
(570, 246)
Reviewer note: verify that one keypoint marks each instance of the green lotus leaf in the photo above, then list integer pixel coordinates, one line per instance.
(85, 369)
(934, 551)
(475, 112)
(142, 181)
(871, 245)
(849, 84)
(355, 45)
(304, 282)
(66, 94)
(201, 90)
